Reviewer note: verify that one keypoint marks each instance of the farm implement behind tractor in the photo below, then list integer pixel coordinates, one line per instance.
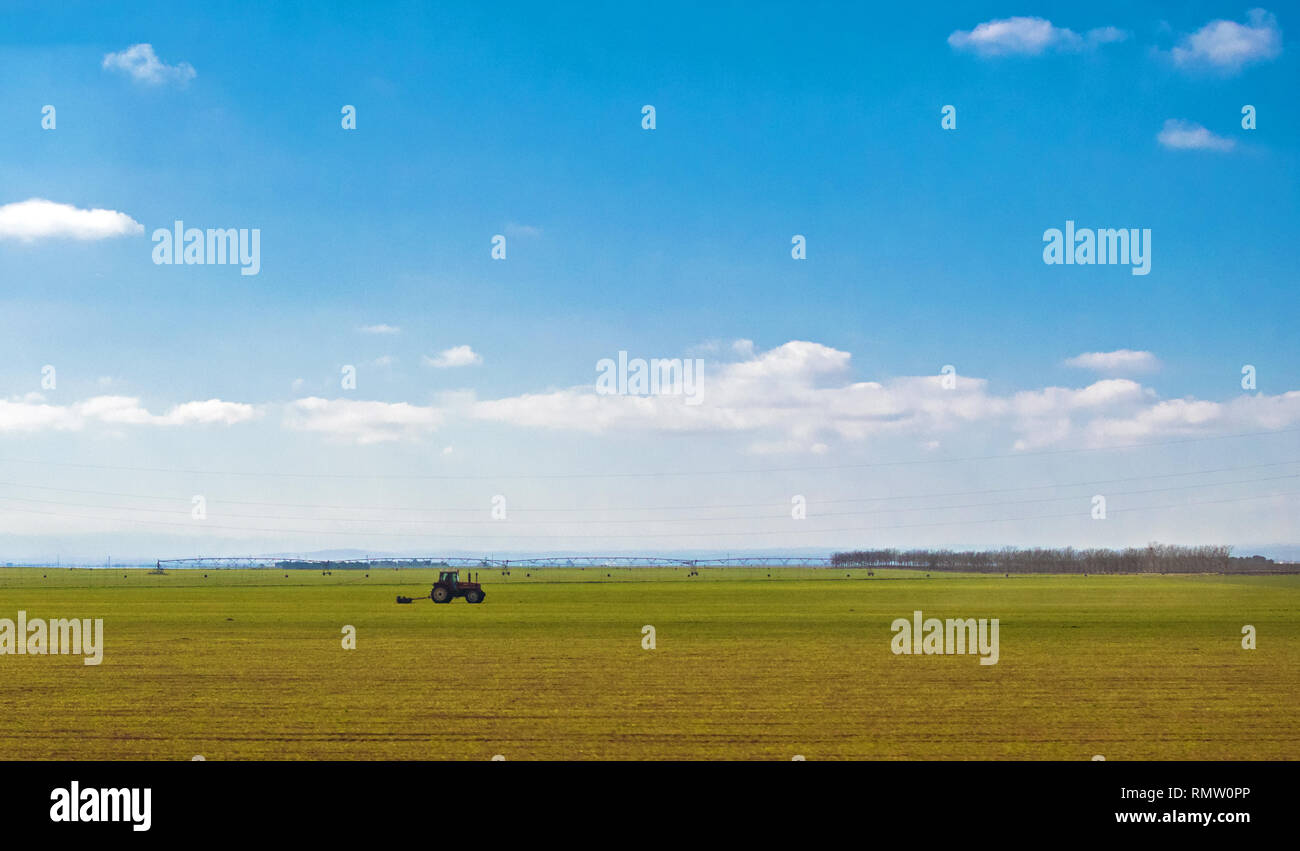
(448, 587)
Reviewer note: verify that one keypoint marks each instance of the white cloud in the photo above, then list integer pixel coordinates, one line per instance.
(384, 360)
(32, 414)
(1105, 35)
(380, 329)
(513, 229)
(1120, 360)
(781, 392)
(1189, 136)
(1228, 46)
(211, 411)
(119, 410)
(362, 422)
(126, 410)
(455, 356)
(798, 398)
(1193, 417)
(1020, 35)
(37, 218)
(143, 65)
(1028, 36)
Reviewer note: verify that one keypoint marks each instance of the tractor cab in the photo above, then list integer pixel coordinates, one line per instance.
(451, 578)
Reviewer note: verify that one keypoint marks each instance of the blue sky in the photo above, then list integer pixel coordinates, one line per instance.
(924, 248)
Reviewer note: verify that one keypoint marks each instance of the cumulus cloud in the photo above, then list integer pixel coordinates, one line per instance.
(140, 63)
(1120, 360)
(744, 348)
(1194, 417)
(1189, 136)
(455, 356)
(1105, 35)
(210, 412)
(1228, 46)
(798, 398)
(1028, 36)
(362, 422)
(37, 218)
(380, 329)
(788, 396)
(32, 413)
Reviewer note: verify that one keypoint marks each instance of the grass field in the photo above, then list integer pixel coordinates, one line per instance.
(248, 664)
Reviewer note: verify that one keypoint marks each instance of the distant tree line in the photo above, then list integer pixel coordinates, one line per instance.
(1153, 558)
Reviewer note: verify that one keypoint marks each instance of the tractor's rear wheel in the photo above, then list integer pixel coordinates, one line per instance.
(473, 596)
(440, 594)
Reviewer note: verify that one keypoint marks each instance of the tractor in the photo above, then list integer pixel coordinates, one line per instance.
(448, 587)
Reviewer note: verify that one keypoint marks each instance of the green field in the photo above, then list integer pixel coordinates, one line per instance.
(248, 664)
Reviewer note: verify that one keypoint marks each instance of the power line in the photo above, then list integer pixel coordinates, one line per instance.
(586, 521)
(654, 474)
(191, 525)
(552, 509)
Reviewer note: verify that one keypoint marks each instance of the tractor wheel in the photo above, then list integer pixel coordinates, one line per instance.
(440, 595)
(473, 596)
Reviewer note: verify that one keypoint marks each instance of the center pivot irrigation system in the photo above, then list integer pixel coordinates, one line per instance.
(461, 561)
(449, 585)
